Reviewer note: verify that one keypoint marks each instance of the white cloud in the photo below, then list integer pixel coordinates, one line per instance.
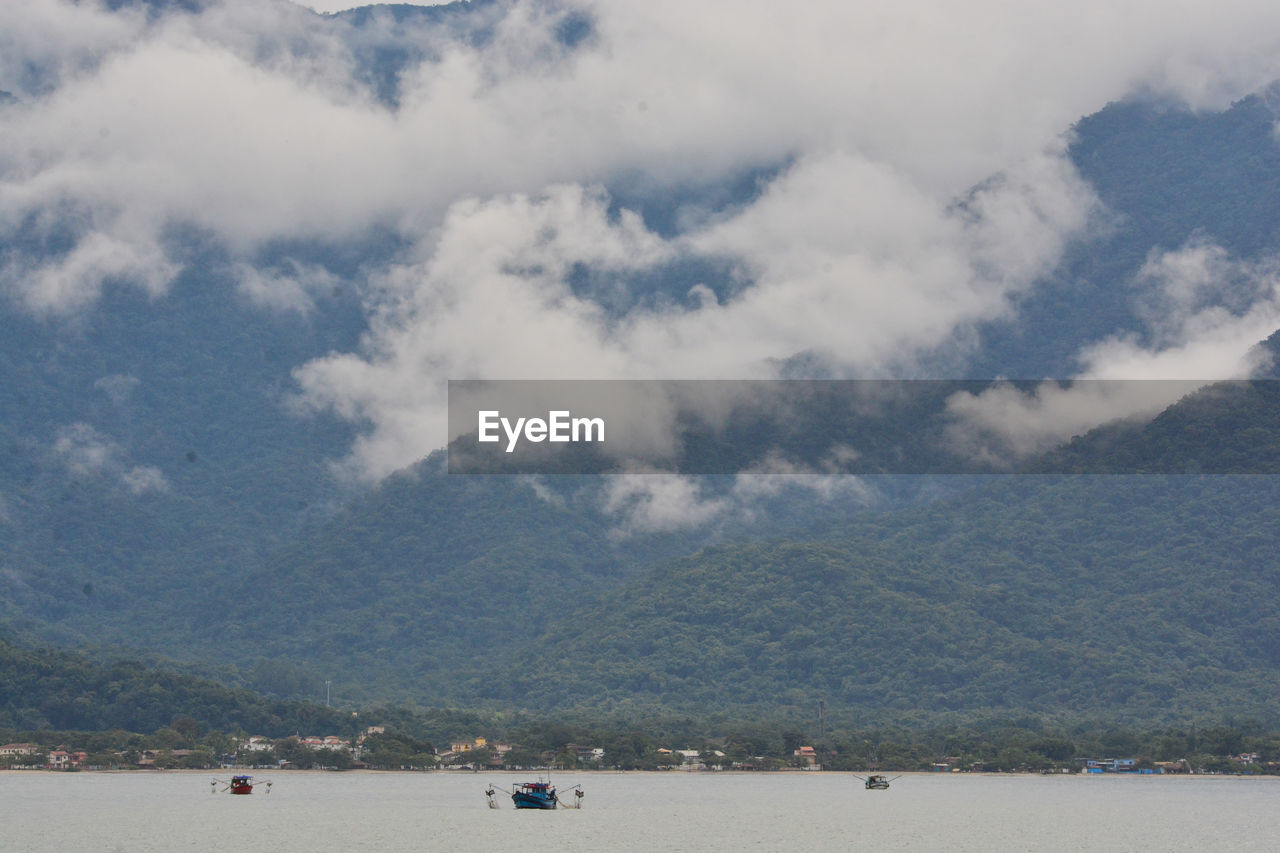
(491, 300)
(76, 279)
(1003, 425)
(248, 121)
(44, 43)
(663, 503)
(86, 452)
(652, 503)
(865, 286)
(853, 260)
(288, 287)
(1205, 312)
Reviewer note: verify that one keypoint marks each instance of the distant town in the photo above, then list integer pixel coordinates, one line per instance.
(375, 749)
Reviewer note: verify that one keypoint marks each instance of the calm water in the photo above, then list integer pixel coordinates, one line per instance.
(637, 812)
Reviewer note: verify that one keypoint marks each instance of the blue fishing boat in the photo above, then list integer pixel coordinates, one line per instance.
(537, 795)
(534, 795)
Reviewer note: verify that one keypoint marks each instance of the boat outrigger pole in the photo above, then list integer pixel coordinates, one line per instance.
(577, 798)
(876, 782)
(535, 795)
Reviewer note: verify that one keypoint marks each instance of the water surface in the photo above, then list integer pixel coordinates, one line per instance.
(305, 811)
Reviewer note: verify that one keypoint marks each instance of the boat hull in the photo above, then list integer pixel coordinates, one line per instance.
(533, 801)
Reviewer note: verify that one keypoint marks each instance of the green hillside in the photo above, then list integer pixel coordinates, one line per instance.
(431, 575)
(47, 689)
(1225, 428)
(1141, 597)
(161, 492)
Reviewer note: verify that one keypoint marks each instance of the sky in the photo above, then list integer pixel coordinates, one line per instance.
(500, 168)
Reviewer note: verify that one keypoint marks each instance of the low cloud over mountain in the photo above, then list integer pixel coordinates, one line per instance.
(911, 179)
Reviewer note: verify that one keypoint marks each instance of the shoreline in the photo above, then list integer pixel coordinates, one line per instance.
(602, 772)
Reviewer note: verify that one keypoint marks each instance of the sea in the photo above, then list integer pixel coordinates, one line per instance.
(665, 811)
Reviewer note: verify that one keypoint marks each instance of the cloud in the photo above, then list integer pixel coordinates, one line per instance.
(664, 503)
(287, 287)
(84, 450)
(141, 479)
(917, 176)
(1205, 314)
(865, 286)
(43, 44)
(853, 260)
(491, 300)
(75, 279)
(1003, 424)
(87, 453)
(653, 503)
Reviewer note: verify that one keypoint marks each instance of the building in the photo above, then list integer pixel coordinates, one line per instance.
(692, 759)
(1114, 765)
(24, 755)
(807, 757)
(329, 742)
(468, 746)
(586, 753)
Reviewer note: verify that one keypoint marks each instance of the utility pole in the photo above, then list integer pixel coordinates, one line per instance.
(822, 718)
(326, 693)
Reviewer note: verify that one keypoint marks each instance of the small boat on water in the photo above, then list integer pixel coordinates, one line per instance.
(537, 795)
(237, 785)
(876, 783)
(534, 795)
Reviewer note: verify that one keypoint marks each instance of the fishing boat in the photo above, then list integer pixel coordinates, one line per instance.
(534, 795)
(876, 783)
(537, 795)
(237, 785)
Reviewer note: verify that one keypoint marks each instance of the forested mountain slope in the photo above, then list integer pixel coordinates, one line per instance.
(1140, 596)
(163, 489)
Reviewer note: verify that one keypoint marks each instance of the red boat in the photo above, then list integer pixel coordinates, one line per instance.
(238, 785)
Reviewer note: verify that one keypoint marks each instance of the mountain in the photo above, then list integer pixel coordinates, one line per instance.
(153, 441)
(1141, 597)
(163, 492)
(1224, 428)
(1167, 176)
(47, 689)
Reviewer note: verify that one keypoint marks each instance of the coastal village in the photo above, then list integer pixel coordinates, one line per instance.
(369, 750)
